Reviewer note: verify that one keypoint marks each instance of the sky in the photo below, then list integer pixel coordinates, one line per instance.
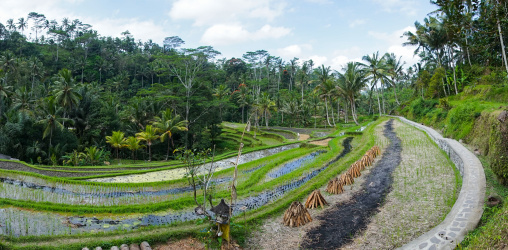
(330, 32)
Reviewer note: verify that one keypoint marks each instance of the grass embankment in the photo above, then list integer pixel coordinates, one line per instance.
(473, 116)
(160, 234)
(424, 189)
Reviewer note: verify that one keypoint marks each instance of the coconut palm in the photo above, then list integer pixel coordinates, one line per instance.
(168, 125)
(326, 87)
(149, 135)
(22, 24)
(242, 96)
(350, 83)
(376, 70)
(265, 106)
(395, 69)
(5, 92)
(117, 141)
(221, 93)
(132, 143)
(51, 119)
(65, 95)
(11, 25)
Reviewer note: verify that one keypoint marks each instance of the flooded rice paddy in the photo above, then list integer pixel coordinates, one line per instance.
(16, 222)
(179, 173)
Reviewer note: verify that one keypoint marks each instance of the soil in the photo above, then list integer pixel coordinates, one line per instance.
(321, 142)
(339, 224)
(21, 167)
(274, 235)
(305, 130)
(287, 135)
(303, 137)
(183, 244)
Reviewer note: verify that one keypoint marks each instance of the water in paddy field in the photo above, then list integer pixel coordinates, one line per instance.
(295, 164)
(114, 194)
(179, 173)
(17, 222)
(361, 129)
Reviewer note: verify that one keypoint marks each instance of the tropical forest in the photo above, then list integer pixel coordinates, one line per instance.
(116, 142)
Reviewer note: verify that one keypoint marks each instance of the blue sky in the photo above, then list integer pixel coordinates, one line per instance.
(329, 32)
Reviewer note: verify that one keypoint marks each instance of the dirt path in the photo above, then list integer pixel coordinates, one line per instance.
(421, 195)
(274, 235)
(344, 220)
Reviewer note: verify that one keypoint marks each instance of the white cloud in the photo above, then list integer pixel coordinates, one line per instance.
(320, 1)
(339, 62)
(206, 12)
(140, 29)
(357, 22)
(318, 60)
(295, 50)
(394, 44)
(58, 9)
(227, 34)
(20, 8)
(290, 51)
(408, 7)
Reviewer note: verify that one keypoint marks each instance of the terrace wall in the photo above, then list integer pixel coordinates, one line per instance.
(468, 208)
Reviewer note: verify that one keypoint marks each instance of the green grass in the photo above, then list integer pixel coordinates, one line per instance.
(361, 143)
(492, 230)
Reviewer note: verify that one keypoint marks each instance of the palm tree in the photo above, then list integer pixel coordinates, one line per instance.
(51, 119)
(132, 143)
(291, 108)
(5, 91)
(220, 93)
(395, 69)
(11, 25)
(7, 64)
(376, 69)
(149, 135)
(22, 24)
(242, 96)
(37, 69)
(93, 155)
(266, 105)
(117, 141)
(325, 88)
(168, 125)
(350, 83)
(64, 90)
(22, 101)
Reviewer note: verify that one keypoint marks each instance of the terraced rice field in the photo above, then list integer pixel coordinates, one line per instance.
(155, 200)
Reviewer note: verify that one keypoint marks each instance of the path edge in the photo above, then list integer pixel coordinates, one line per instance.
(468, 208)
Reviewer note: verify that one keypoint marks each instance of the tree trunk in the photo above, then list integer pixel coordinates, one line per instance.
(353, 110)
(167, 153)
(149, 152)
(333, 115)
(395, 92)
(338, 110)
(378, 102)
(502, 44)
(243, 107)
(327, 117)
(266, 119)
